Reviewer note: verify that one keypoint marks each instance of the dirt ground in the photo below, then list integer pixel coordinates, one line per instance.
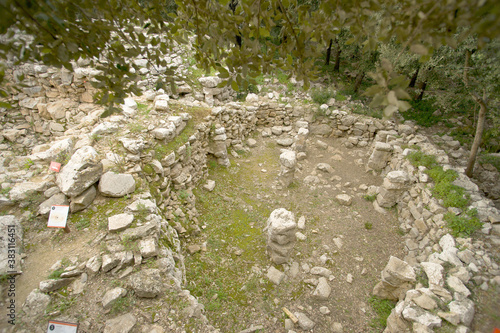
(369, 238)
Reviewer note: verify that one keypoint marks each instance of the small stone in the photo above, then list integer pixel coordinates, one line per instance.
(274, 275)
(323, 290)
(349, 278)
(111, 296)
(210, 185)
(301, 224)
(304, 322)
(300, 236)
(344, 199)
(325, 272)
(252, 143)
(324, 310)
(195, 248)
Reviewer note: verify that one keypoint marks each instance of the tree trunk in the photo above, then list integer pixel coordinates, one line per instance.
(422, 90)
(414, 78)
(478, 137)
(336, 68)
(359, 79)
(328, 53)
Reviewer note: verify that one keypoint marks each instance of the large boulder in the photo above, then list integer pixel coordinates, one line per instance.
(116, 184)
(82, 170)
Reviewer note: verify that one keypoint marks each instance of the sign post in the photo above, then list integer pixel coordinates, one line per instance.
(58, 217)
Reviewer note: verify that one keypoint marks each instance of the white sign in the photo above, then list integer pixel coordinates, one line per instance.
(61, 327)
(58, 216)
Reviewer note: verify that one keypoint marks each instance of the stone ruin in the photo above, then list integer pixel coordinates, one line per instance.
(281, 237)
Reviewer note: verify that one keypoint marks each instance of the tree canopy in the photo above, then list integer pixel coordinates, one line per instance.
(286, 34)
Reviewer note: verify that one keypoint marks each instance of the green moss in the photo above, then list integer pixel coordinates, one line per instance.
(382, 308)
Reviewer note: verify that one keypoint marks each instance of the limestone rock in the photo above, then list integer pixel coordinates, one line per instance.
(36, 303)
(274, 275)
(420, 316)
(82, 201)
(82, 170)
(120, 324)
(304, 322)
(120, 222)
(344, 199)
(111, 296)
(146, 283)
(116, 184)
(280, 235)
(52, 285)
(397, 272)
(465, 310)
(325, 167)
(93, 265)
(322, 291)
(57, 199)
(148, 247)
(434, 273)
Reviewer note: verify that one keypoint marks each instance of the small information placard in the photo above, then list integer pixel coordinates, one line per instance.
(61, 327)
(54, 166)
(58, 217)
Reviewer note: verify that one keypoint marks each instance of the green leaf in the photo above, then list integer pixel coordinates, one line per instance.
(234, 85)
(264, 32)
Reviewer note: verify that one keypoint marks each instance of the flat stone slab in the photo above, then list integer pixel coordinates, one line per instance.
(120, 222)
(120, 324)
(116, 184)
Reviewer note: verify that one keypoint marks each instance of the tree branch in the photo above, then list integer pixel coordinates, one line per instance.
(34, 20)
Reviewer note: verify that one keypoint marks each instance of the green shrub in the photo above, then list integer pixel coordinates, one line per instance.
(418, 158)
(56, 274)
(382, 308)
(370, 198)
(463, 225)
(452, 195)
(321, 96)
(422, 112)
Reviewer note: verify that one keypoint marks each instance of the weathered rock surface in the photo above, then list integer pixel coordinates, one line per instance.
(281, 228)
(116, 184)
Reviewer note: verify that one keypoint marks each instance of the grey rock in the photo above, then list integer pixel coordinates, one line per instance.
(304, 322)
(57, 199)
(21, 190)
(322, 291)
(281, 237)
(434, 273)
(285, 142)
(116, 184)
(93, 265)
(416, 314)
(210, 185)
(109, 261)
(82, 201)
(320, 129)
(325, 167)
(344, 199)
(106, 127)
(146, 283)
(120, 222)
(397, 272)
(111, 296)
(465, 309)
(52, 285)
(148, 247)
(274, 275)
(132, 145)
(36, 303)
(82, 170)
(120, 324)
(325, 272)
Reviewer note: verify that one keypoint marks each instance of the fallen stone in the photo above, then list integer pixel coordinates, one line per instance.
(120, 222)
(111, 296)
(325, 167)
(52, 285)
(274, 275)
(148, 247)
(116, 185)
(344, 199)
(285, 142)
(465, 310)
(304, 322)
(322, 291)
(82, 201)
(146, 283)
(120, 324)
(420, 316)
(36, 303)
(82, 170)
(397, 272)
(325, 272)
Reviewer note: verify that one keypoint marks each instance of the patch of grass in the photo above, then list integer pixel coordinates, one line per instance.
(491, 159)
(55, 275)
(422, 113)
(142, 109)
(135, 127)
(160, 151)
(370, 198)
(82, 223)
(463, 225)
(28, 163)
(382, 308)
(368, 225)
(5, 191)
(418, 158)
(60, 302)
(129, 244)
